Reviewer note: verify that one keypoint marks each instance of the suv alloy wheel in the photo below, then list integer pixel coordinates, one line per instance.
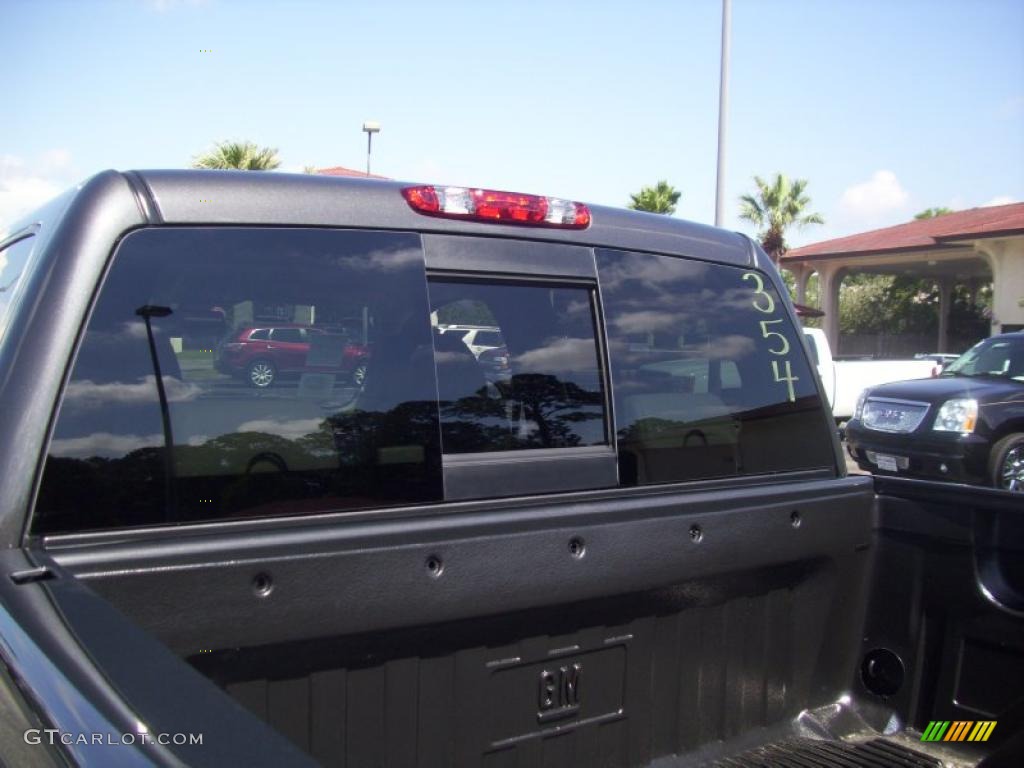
(261, 373)
(1007, 463)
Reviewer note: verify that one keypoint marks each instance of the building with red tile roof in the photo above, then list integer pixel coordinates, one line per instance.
(923, 234)
(986, 243)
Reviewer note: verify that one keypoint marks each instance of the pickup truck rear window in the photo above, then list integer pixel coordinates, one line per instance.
(530, 377)
(334, 409)
(710, 378)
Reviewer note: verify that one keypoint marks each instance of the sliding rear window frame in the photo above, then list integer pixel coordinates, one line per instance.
(596, 466)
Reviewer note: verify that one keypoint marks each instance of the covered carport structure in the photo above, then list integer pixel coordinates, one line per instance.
(984, 244)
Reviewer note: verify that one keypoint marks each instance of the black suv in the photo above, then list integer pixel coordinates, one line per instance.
(967, 425)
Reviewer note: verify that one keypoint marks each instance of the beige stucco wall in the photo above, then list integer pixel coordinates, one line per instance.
(1006, 257)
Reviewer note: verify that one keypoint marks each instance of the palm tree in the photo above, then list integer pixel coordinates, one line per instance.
(661, 198)
(778, 205)
(240, 155)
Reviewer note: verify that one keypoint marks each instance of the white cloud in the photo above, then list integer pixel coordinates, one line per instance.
(20, 195)
(646, 321)
(879, 196)
(24, 186)
(560, 355)
(87, 394)
(103, 444)
(999, 200)
(10, 164)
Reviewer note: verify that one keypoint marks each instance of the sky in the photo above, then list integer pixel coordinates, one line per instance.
(886, 108)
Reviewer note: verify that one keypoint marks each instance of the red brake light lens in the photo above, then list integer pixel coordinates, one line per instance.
(497, 207)
(504, 206)
(422, 199)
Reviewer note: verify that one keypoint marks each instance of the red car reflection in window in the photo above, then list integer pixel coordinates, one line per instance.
(263, 355)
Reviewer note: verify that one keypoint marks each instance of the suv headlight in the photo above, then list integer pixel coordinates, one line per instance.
(960, 415)
(858, 411)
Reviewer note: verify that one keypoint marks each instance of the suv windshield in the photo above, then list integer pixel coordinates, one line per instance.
(1000, 356)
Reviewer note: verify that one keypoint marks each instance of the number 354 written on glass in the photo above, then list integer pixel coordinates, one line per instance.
(778, 344)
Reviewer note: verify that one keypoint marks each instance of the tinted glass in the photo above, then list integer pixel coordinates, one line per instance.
(1001, 356)
(488, 339)
(255, 431)
(710, 377)
(13, 260)
(260, 334)
(287, 335)
(812, 345)
(545, 393)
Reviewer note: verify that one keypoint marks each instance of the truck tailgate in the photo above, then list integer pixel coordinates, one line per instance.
(587, 631)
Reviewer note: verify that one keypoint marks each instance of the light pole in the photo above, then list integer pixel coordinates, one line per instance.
(723, 108)
(370, 127)
(147, 312)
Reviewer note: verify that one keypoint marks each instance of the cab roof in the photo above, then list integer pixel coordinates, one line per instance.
(205, 197)
(252, 197)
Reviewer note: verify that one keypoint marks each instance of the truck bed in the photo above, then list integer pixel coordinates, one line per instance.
(745, 643)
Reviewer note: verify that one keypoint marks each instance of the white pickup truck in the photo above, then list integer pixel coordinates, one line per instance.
(844, 380)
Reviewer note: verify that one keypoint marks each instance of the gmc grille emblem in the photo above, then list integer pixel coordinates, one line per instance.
(559, 693)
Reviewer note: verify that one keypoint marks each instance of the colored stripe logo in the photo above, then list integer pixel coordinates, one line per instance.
(958, 730)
